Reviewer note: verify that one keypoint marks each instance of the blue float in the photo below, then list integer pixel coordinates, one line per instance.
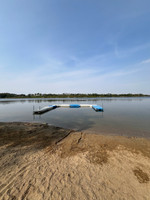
(97, 108)
(74, 106)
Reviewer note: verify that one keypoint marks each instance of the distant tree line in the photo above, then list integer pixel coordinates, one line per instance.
(68, 95)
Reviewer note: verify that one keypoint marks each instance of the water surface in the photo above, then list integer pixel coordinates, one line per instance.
(121, 116)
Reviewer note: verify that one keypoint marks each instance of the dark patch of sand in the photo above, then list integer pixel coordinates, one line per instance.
(141, 176)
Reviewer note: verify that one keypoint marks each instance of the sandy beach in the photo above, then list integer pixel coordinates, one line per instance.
(51, 163)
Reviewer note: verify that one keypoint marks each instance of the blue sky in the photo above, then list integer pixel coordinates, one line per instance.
(78, 46)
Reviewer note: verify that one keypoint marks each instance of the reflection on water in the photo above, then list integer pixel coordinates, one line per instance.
(62, 100)
(122, 116)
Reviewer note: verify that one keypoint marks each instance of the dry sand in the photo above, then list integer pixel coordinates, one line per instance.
(45, 162)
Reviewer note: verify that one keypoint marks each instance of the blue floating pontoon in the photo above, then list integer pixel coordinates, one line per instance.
(74, 106)
(97, 108)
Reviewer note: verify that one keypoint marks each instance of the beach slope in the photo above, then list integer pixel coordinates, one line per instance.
(41, 162)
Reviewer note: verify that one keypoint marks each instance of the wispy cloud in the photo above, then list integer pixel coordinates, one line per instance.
(126, 52)
(145, 61)
(75, 80)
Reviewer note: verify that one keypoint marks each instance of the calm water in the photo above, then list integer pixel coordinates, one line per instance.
(121, 116)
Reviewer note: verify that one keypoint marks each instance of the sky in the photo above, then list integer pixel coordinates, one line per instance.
(75, 46)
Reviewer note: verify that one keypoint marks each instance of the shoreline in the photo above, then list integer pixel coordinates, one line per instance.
(39, 161)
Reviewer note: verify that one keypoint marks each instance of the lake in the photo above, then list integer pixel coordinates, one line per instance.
(121, 116)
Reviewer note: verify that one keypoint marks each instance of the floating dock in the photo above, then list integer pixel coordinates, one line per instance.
(52, 107)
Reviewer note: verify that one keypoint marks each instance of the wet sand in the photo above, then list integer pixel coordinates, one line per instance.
(51, 163)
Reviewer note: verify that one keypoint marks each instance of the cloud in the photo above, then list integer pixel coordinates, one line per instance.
(126, 52)
(75, 80)
(97, 73)
(145, 61)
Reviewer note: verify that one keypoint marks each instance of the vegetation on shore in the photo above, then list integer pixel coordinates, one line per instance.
(68, 95)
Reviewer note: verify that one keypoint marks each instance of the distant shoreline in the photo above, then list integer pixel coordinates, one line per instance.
(68, 95)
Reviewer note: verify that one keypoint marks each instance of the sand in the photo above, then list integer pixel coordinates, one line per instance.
(51, 163)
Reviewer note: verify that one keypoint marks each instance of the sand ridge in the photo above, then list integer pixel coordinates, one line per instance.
(46, 162)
